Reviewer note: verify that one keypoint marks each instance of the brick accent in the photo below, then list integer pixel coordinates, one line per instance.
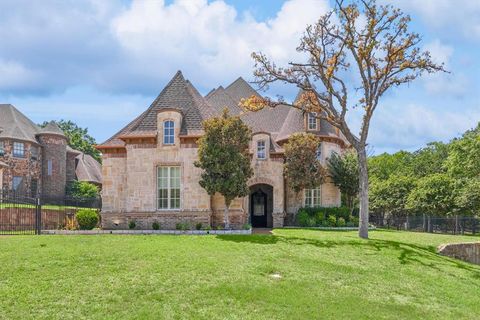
(54, 150)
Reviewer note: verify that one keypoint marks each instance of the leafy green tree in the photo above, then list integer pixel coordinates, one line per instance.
(82, 189)
(343, 170)
(464, 155)
(78, 138)
(468, 197)
(302, 168)
(223, 155)
(433, 195)
(429, 160)
(384, 165)
(390, 196)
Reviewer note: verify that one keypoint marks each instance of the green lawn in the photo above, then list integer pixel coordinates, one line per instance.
(324, 275)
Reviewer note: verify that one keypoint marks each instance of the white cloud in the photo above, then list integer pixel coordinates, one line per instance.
(409, 127)
(209, 38)
(458, 17)
(15, 75)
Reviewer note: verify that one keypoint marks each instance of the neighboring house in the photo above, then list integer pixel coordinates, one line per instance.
(38, 160)
(149, 173)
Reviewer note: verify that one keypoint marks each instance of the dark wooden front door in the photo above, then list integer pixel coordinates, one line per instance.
(258, 209)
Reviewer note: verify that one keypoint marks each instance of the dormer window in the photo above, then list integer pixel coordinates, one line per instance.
(168, 132)
(261, 149)
(312, 121)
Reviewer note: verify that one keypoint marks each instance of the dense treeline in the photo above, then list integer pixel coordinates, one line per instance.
(442, 179)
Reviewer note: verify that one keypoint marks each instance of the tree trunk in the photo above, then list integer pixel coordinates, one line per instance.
(225, 216)
(363, 192)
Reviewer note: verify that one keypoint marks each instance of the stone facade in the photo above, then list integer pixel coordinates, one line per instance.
(469, 252)
(27, 167)
(132, 158)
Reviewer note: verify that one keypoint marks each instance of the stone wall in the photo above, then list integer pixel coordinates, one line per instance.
(114, 175)
(26, 167)
(54, 150)
(469, 252)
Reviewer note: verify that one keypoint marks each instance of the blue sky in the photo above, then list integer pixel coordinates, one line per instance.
(100, 63)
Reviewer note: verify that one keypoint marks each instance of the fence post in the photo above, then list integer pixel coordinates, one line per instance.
(38, 216)
(429, 224)
(407, 224)
(456, 224)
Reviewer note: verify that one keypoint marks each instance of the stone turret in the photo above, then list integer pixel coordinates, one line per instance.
(54, 155)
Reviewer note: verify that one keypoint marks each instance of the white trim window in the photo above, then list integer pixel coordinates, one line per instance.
(313, 197)
(261, 149)
(168, 188)
(312, 121)
(168, 132)
(19, 150)
(16, 182)
(319, 152)
(2, 148)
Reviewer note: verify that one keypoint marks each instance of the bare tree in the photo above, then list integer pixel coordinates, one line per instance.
(360, 40)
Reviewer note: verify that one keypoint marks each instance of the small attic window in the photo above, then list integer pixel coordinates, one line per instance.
(168, 132)
(261, 149)
(312, 121)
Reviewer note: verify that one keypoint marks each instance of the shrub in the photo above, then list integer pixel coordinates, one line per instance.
(208, 228)
(87, 219)
(311, 222)
(182, 226)
(198, 226)
(82, 189)
(155, 225)
(132, 224)
(319, 217)
(302, 218)
(355, 221)
(341, 222)
(219, 227)
(247, 226)
(331, 221)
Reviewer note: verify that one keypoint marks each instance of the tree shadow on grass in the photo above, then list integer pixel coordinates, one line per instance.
(408, 253)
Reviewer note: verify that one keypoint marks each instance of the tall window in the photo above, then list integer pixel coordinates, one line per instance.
(312, 121)
(168, 188)
(261, 152)
(313, 197)
(2, 148)
(49, 167)
(169, 132)
(18, 150)
(34, 152)
(319, 152)
(17, 181)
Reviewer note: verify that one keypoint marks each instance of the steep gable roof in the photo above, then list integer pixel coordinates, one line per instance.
(15, 125)
(240, 89)
(220, 99)
(88, 169)
(178, 94)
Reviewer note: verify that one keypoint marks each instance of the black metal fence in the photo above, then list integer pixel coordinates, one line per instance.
(21, 214)
(426, 223)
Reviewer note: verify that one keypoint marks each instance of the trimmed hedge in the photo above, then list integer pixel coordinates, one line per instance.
(325, 217)
(87, 219)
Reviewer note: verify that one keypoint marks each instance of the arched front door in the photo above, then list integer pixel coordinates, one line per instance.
(261, 206)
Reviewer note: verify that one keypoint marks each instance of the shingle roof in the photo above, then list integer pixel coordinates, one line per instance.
(88, 169)
(220, 99)
(15, 125)
(51, 128)
(280, 122)
(178, 94)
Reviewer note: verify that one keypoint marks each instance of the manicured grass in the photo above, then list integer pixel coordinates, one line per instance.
(324, 275)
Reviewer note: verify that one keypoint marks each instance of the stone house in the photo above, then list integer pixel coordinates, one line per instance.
(149, 173)
(38, 160)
